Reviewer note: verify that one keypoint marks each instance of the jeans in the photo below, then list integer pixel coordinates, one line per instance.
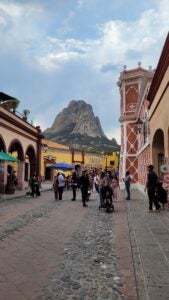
(152, 199)
(84, 196)
(61, 188)
(97, 188)
(74, 187)
(101, 198)
(128, 191)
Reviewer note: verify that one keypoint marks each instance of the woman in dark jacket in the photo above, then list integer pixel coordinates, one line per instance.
(74, 182)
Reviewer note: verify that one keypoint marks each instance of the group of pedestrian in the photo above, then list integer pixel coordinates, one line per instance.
(87, 181)
(106, 181)
(81, 183)
(155, 191)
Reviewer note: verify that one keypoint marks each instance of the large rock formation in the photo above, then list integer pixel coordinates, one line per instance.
(76, 125)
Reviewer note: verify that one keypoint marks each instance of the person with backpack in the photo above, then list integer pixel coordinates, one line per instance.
(151, 185)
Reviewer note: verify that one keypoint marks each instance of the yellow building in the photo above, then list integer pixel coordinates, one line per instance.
(158, 98)
(52, 152)
(111, 162)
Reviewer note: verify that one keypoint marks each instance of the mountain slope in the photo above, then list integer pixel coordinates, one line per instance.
(76, 125)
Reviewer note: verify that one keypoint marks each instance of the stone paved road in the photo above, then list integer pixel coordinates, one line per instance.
(60, 250)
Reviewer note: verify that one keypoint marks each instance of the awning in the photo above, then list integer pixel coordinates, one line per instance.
(7, 157)
(62, 166)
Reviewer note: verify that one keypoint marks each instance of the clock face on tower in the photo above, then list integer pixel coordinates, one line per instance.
(131, 107)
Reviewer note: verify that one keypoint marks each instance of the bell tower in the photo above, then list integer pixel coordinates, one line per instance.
(130, 83)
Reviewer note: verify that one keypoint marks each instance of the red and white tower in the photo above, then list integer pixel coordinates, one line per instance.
(132, 85)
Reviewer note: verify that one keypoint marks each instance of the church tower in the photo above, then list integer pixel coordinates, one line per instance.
(131, 83)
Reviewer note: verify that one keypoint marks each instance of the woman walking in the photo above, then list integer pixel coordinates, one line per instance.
(127, 180)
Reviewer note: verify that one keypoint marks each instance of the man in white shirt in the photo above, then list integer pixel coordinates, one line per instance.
(61, 185)
(96, 182)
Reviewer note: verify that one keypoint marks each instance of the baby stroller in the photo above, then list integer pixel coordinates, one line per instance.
(107, 198)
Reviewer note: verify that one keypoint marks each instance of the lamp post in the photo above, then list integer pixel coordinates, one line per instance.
(139, 125)
(44, 147)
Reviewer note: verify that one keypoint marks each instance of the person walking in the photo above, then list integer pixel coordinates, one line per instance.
(55, 187)
(101, 186)
(74, 182)
(84, 186)
(127, 181)
(151, 185)
(96, 182)
(34, 183)
(114, 185)
(61, 185)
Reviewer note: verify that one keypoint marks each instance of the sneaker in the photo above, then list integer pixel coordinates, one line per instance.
(85, 205)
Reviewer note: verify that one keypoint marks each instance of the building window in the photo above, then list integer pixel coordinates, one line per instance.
(111, 162)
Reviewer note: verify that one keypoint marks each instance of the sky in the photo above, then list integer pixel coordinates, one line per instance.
(55, 51)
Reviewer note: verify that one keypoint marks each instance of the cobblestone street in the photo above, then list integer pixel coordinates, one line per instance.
(60, 250)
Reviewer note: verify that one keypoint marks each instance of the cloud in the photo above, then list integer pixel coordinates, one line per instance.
(109, 68)
(49, 58)
(114, 132)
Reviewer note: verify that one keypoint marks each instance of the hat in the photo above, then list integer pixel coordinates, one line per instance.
(151, 167)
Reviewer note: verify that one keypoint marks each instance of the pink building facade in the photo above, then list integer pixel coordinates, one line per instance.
(135, 144)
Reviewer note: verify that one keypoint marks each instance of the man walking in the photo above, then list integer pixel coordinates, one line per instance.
(61, 185)
(151, 185)
(127, 180)
(84, 186)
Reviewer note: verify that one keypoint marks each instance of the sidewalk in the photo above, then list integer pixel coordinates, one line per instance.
(45, 186)
(149, 235)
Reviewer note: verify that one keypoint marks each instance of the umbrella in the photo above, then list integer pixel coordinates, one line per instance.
(5, 156)
(62, 166)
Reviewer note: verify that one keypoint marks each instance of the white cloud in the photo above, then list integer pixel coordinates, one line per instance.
(113, 43)
(95, 63)
(54, 61)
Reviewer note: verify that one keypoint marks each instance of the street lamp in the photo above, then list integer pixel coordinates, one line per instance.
(44, 147)
(139, 125)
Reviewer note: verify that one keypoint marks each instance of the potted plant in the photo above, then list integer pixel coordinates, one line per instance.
(25, 112)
